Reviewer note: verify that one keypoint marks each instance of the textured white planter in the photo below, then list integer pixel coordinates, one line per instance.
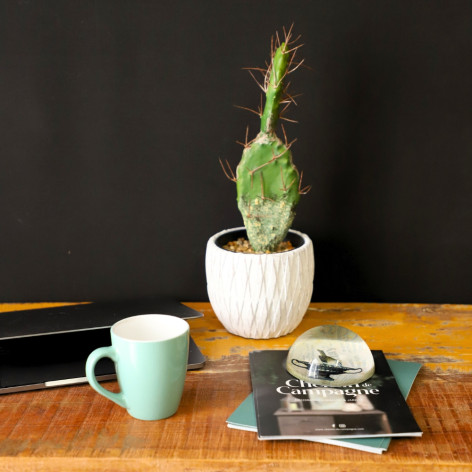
(259, 295)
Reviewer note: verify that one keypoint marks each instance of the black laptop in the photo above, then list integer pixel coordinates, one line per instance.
(48, 347)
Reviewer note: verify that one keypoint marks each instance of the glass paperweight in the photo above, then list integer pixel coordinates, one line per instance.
(330, 355)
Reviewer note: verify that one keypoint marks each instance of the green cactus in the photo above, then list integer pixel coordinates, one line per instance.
(267, 182)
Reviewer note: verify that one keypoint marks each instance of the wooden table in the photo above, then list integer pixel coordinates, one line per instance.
(74, 429)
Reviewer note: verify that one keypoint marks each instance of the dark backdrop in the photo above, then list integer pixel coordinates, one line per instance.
(113, 115)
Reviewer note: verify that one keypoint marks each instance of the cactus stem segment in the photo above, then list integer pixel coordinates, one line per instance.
(268, 184)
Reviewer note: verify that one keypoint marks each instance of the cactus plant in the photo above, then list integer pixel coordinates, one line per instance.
(268, 183)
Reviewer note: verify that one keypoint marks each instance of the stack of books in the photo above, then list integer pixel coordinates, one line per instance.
(363, 416)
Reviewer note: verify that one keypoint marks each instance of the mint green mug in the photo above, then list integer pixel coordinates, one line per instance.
(150, 353)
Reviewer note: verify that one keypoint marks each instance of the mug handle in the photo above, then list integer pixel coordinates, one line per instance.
(92, 360)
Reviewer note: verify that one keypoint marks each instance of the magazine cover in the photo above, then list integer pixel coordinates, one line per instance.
(244, 417)
(289, 408)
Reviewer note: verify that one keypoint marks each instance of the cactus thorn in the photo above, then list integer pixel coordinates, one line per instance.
(246, 143)
(274, 157)
(255, 80)
(297, 65)
(284, 187)
(291, 98)
(228, 171)
(304, 190)
(263, 197)
(247, 134)
(289, 145)
(288, 119)
(249, 109)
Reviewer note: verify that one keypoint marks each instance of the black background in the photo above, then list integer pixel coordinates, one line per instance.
(114, 115)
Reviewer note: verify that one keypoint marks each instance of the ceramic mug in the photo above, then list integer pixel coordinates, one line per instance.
(150, 353)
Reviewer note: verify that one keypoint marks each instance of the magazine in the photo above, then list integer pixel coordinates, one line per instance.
(244, 417)
(288, 408)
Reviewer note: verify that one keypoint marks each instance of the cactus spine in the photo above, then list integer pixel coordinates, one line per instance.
(267, 182)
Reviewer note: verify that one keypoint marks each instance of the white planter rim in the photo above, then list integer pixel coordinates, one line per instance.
(221, 238)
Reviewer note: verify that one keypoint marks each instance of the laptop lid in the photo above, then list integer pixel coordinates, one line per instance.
(30, 341)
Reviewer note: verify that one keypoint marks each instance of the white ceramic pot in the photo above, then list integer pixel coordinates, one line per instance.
(259, 295)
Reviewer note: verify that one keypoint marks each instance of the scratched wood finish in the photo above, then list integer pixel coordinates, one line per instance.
(75, 429)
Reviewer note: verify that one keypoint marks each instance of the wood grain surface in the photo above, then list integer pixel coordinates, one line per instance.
(75, 429)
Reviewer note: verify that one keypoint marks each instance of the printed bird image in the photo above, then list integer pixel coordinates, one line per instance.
(327, 359)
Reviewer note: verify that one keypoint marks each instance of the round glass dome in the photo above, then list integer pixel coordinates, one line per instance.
(330, 355)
